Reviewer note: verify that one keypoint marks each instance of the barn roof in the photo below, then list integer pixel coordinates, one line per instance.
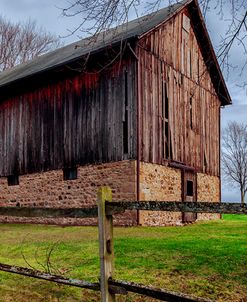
(130, 30)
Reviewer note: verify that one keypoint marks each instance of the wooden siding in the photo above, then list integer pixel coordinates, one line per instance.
(91, 117)
(174, 78)
(79, 120)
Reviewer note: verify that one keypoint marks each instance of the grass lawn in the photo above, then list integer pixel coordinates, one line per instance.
(207, 259)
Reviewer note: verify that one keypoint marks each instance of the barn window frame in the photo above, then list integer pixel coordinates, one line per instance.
(13, 180)
(70, 173)
(125, 116)
(192, 113)
(166, 135)
(189, 188)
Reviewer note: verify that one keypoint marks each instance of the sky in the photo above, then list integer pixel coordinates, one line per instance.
(48, 14)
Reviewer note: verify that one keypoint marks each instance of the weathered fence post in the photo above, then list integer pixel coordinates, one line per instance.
(105, 244)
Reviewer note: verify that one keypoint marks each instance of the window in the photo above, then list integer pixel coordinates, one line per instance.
(191, 113)
(190, 190)
(125, 117)
(70, 173)
(13, 180)
(186, 23)
(205, 162)
(165, 124)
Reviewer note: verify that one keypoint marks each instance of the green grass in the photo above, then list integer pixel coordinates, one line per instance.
(207, 259)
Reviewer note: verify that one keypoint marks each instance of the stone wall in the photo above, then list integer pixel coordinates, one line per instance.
(48, 189)
(159, 183)
(164, 183)
(208, 189)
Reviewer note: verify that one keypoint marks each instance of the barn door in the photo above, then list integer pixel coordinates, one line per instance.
(189, 193)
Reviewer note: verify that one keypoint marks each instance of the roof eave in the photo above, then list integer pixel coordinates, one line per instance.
(63, 64)
(220, 87)
(223, 92)
(175, 12)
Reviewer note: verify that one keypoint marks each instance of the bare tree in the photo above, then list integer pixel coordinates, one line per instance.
(234, 156)
(99, 15)
(235, 34)
(21, 42)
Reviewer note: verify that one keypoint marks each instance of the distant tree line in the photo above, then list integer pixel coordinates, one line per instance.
(20, 42)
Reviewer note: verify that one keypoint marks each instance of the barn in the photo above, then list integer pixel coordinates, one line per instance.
(136, 108)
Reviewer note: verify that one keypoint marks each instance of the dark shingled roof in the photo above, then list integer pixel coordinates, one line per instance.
(80, 48)
(127, 31)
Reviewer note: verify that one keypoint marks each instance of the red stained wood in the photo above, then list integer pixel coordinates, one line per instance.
(73, 121)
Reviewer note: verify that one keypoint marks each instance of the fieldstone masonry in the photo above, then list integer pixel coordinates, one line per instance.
(48, 189)
(157, 182)
(164, 183)
(208, 189)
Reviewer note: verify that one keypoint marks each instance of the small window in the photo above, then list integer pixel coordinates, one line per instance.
(70, 173)
(166, 137)
(205, 163)
(191, 113)
(190, 188)
(186, 23)
(13, 180)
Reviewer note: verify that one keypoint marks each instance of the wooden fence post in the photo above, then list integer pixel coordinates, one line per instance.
(105, 223)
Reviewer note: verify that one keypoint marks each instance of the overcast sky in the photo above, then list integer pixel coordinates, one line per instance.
(48, 15)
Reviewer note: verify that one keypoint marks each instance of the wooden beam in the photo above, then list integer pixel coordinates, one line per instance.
(48, 277)
(160, 294)
(49, 212)
(116, 286)
(175, 206)
(118, 207)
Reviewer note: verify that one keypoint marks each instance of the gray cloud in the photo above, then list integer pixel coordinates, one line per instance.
(234, 113)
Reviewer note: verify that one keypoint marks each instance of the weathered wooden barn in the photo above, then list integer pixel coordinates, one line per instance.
(137, 108)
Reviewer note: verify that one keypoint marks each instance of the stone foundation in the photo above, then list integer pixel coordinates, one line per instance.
(157, 182)
(48, 189)
(164, 183)
(208, 190)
